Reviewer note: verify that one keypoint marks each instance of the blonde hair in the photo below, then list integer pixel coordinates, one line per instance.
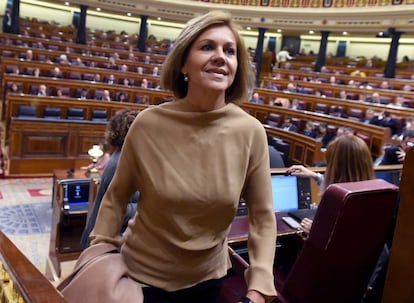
(171, 75)
(348, 159)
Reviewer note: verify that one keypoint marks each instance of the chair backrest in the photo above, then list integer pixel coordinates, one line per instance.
(27, 111)
(76, 113)
(51, 113)
(348, 233)
(99, 115)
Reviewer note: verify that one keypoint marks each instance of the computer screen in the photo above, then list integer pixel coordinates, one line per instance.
(392, 176)
(290, 192)
(76, 191)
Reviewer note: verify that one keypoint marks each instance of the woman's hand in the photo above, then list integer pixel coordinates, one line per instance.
(301, 171)
(306, 225)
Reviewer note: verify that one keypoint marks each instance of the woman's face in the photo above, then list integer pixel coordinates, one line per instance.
(212, 60)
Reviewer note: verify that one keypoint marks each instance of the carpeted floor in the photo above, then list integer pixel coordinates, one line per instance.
(26, 216)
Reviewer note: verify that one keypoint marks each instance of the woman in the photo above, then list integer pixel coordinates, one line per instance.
(348, 159)
(192, 160)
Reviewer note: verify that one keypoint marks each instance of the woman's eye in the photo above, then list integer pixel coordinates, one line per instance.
(231, 51)
(206, 47)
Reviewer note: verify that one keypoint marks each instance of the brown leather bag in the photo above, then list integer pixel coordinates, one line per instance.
(100, 275)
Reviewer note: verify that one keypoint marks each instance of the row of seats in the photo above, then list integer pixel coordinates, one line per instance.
(55, 113)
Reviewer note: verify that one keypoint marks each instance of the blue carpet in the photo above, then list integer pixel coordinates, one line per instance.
(25, 219)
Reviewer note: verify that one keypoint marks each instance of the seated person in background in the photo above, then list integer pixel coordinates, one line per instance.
(386, 120)
(309, 129)
(296, 105)
(102, 161)
(409, 125)
(42, 90)
(342, 131)
(395, 154)
(56, 73)
(338, 111)
(370, 117)
(398, 102)
(59, 93)
(324, 135)
(14, 88)
(83, 94)
(288, 125)
(106, 96)
(348, 159)
(116, 131)
(144, 83)
(256, 99)
(122, 97)
(36, 72)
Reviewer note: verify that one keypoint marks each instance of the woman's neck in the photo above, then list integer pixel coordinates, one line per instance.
(206, 102)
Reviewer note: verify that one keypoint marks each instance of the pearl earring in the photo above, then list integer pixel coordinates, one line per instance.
(185, 77)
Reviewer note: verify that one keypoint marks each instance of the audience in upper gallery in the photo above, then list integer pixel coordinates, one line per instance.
(324, 134)
(115, 133)
(288, 125)
(348, 159)
(309, 130)
(395, 154)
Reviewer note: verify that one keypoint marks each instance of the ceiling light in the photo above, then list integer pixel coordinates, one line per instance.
(67, 3)
(129, 14)
(344, 33)
(311, 32)
(98, 9)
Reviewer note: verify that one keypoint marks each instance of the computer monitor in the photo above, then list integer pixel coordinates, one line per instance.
(290, 192)
(391, 175)
(75, 194)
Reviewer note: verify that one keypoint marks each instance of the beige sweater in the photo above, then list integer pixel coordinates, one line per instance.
(191, 168)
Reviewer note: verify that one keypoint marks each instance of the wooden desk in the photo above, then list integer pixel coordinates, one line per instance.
(66, 228)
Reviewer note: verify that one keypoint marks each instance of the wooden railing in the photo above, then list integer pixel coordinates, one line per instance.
(20, 280)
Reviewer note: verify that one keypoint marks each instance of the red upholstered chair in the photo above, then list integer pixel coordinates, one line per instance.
(347, 236)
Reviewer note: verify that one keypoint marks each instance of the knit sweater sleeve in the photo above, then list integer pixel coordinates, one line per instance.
(262, 222)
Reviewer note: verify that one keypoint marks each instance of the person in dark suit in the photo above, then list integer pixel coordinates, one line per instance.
(7, 21)
(116, 131)
(395, 154)
(288, 125)
(83, 94)
(325, 135)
